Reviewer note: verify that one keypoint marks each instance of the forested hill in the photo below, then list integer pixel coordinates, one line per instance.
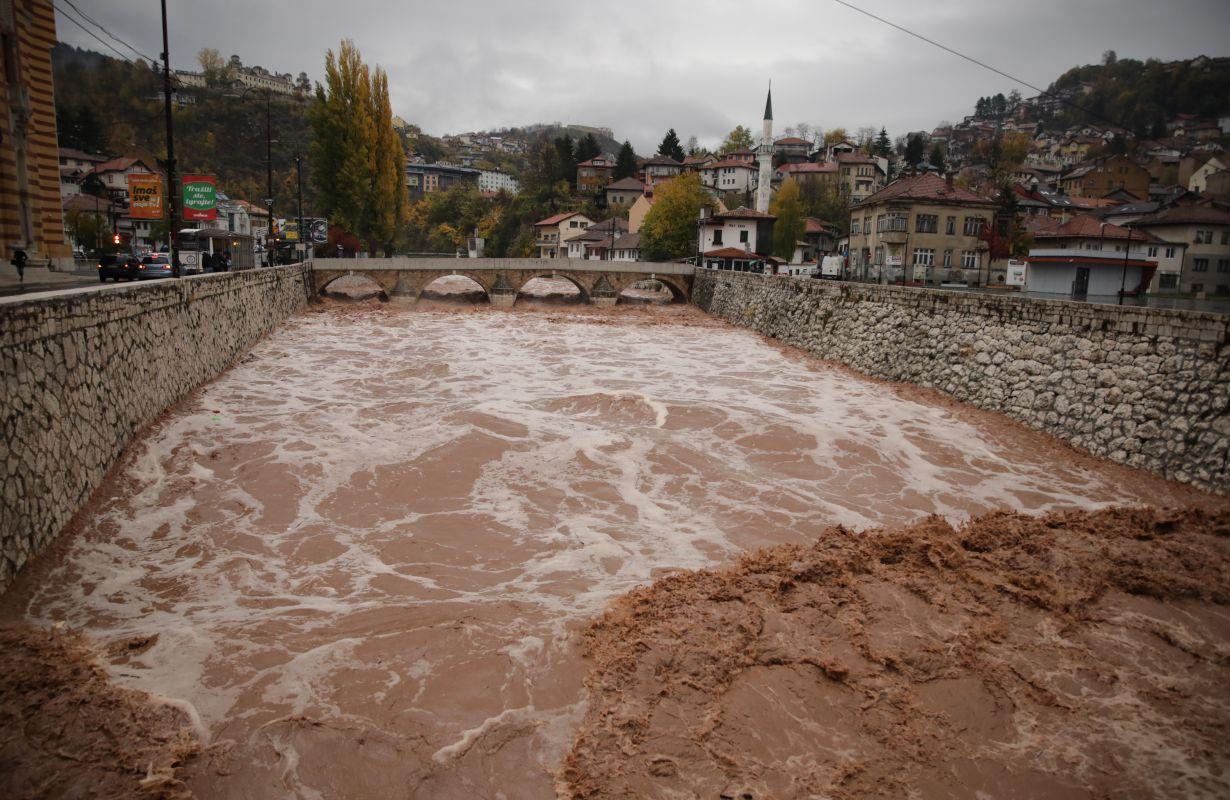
(1141, 95)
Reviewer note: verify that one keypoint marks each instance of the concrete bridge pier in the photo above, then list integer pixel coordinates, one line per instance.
(404, 293)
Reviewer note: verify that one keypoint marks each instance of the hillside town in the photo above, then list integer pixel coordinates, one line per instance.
(1003, 198)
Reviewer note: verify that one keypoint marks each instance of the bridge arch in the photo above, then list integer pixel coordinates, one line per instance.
(466, 287)
(357, 279)
(561, 274)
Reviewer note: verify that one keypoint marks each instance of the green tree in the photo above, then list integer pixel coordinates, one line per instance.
(669, 230)
(356, 155)
(567, 160)
(914, 147)
(587, 148)
(738, 139)
(670, 146)
(625, 162)
(790, 226)
(883, 146)
(87, 229)
(938, 159)
(388, 194)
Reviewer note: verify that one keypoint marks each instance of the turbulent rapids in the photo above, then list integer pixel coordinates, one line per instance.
(362, 562)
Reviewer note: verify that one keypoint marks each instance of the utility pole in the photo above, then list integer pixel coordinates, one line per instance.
(269, 239)
(299, 189)
(172, 194)
(1127, 248)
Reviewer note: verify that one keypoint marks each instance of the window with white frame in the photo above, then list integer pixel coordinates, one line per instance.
(925, 223)
(951, 227)
(948, 254)
(969, 259)
(924, 256)
(973, 226)
(1170, 252)
(1200, 265)
(1153, 252)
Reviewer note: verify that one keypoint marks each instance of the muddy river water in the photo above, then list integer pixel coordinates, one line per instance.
(361, 556)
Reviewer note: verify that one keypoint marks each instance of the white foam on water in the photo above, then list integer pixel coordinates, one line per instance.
(370, 509)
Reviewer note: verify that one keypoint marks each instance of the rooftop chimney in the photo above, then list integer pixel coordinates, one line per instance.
(948, 180)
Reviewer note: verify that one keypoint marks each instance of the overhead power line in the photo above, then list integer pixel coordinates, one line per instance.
(996, 70)
(100, 26)
(97, 38)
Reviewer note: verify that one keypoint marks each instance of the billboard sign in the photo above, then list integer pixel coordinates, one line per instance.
(200, 197)
(144, 195)
(287, 229)
(317, 230)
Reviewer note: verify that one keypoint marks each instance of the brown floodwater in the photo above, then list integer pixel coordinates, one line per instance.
(360, 558)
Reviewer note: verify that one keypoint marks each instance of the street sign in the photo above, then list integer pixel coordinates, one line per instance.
(144, 195)
(200, 197)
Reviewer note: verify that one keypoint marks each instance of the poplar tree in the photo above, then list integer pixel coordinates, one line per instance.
(669, 230)
(357, 157)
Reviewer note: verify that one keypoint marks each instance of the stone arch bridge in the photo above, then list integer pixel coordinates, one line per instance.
(403, 279)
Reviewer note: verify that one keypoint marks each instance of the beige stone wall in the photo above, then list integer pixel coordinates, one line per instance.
(1145, 387)
(84, 370)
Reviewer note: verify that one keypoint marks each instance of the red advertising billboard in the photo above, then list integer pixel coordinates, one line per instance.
(200, 197)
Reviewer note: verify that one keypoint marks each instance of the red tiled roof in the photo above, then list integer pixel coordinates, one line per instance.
(119, 164)
(792, 140)
(593, 162)
(927, 186)
(813, 225)
(626, 185)
(855, 158)
(1187, 215)
(730, 252)
(661, 161)
(1084, 226)
(557, 219)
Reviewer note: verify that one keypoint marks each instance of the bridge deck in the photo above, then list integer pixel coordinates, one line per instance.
(405, 264)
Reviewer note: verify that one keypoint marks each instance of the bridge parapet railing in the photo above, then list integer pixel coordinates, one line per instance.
(404, 263)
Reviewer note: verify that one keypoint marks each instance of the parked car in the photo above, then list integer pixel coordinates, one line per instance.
(117, 267)
(155, 265)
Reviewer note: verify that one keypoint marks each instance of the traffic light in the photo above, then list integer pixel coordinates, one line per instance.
(115, 239)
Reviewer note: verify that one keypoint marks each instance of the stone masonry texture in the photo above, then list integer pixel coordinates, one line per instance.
(1140, 386)
(84, 370)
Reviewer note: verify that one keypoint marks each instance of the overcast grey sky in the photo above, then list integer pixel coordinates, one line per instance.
(641, 66)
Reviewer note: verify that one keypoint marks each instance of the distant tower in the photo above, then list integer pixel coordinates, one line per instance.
(765, 154)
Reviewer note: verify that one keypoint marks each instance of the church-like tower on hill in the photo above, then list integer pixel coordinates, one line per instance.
(765, 154)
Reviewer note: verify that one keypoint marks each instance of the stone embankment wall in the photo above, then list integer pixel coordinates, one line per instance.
(1145, 387)
(85, 369)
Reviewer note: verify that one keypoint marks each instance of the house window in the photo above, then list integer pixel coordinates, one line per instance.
(1152, 252)
(717, 236)
(1168, 281)
(880, 254)
(925, 223)
(924, 256)
(1223, 265)
(866, 225)
(854, 225)
(743, 236)
(969, 259)
(951, 227)
(948, 253)
(973, 226)
(1169, 252)
(1200, 265)
(1225, 237)
(1204, 237)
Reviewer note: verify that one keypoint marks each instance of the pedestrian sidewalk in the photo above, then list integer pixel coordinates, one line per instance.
(40, 279)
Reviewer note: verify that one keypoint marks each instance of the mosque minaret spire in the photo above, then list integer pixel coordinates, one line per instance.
(765, 154)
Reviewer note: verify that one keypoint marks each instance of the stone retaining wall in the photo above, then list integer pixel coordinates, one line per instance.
(1144, 387)
(85, 369)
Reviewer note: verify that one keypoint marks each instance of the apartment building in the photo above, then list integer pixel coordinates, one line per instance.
(921, 228)
(552, 234)
(1204, 232)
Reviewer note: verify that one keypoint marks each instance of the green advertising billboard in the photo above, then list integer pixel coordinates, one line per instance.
(200, 197)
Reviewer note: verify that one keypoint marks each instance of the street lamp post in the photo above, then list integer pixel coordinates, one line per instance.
(172, 195)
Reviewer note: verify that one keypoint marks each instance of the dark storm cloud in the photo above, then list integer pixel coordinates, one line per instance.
(641, 66)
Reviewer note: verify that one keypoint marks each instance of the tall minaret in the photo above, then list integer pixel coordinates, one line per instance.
(765, 154)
